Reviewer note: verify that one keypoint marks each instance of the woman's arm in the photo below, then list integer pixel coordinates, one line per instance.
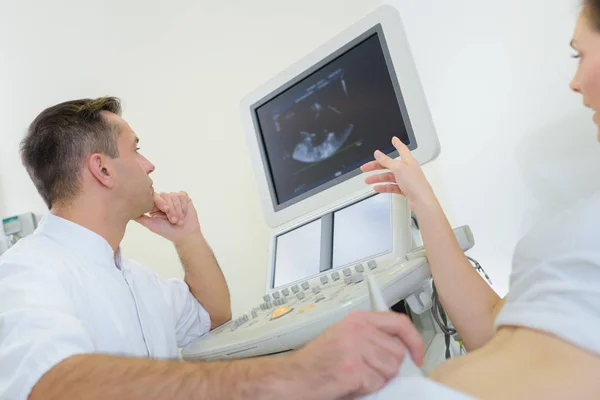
(470, 303)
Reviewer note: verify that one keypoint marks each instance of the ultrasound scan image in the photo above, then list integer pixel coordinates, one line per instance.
(331, 122)
(321, 121)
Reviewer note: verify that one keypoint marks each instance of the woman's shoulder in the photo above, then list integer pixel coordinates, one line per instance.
(575, 228)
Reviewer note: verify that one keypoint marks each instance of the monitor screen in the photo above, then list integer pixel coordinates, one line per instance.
(297, 254)
(319, 130)
(362, 230)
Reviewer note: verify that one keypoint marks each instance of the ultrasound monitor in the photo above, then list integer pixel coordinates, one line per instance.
(322, 129)
(311, 128)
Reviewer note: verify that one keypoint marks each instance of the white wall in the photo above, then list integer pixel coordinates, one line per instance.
(516, 143)
(181, 68)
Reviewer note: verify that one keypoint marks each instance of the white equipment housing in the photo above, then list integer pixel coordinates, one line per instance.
(308, 130)
(14, 228)
(386, 26)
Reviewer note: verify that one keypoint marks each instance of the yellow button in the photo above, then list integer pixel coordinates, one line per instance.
(280, 312)
(306, 308)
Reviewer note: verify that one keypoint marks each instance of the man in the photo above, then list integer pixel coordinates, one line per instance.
(77, 321)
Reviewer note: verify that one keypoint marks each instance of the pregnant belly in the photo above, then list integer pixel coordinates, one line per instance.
(523, 364)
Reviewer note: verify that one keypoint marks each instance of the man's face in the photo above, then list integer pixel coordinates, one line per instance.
(133, 185)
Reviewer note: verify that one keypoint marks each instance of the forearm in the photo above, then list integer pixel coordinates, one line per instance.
(467, 298)
(205, 278)
(88, 377)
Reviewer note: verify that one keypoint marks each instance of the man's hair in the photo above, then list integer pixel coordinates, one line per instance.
(60, 138)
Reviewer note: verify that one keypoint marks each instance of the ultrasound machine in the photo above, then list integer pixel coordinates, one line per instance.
(309, 129)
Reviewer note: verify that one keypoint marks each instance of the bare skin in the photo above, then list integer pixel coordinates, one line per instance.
(513, 362)
(522, 363)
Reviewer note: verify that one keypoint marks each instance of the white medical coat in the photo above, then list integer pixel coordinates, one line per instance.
(62, 293)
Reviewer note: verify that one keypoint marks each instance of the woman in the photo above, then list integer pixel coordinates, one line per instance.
(543, 340)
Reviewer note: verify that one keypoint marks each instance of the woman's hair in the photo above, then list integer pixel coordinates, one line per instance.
(592, 10)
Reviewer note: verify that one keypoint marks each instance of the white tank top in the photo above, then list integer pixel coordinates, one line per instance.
(555, 279)
(554, 287)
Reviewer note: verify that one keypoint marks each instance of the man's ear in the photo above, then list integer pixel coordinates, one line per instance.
(101, 169)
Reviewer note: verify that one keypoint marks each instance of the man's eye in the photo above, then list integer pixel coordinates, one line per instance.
(137, 149)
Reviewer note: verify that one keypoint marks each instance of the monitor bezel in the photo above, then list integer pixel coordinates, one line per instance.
(412, 144)
(386, 21)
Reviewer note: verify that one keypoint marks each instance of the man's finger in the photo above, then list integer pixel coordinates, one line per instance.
(394, 189)
(390, 344)
(145, 220)
(178, 208)
(185, 201)
(380, 178)
(160, 203)
(158, 214)
(171, 213)
(382, 363)
(399, 325)
(155, 209)
(405, 153)
(370, 382)
(384, 354)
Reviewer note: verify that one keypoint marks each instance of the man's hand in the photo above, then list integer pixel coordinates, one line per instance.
(360, 354)
(173, 217)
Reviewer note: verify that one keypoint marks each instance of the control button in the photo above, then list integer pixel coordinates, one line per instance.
(320, 299)
(300, 295)
(372, 264)
(306, 308)
(254, 314)
(267, 297)
(284, 300)
(347, 280)
(234, 326)
(347, 272)
(335, 276)
(359, 268)
(276, 302)
(263, 306)
(358, 278)
(285, 292)
(295, 289)
(276, 295)
(280, 312)
(269, 305)
(316, 289)
(324, 279)
(305, 285)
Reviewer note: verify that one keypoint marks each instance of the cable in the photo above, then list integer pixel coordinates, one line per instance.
(440, 317)
(480, 269)
(439, 313)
